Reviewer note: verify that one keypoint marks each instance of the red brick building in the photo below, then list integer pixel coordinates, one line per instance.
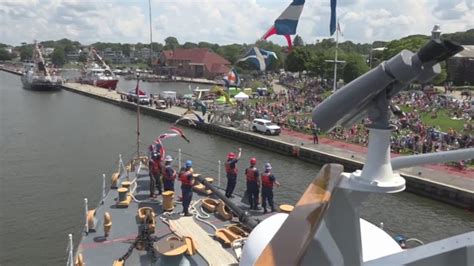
(193, 63)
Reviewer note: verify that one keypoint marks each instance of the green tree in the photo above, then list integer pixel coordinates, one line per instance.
(298, 59)
(189, 45)
(298, 41)
(5, 55)
(412, 43)
(354, 67)
(171, 43)
(126, 49)
(26, 52)
(231, 52)
(58, 57)
(82, 57)
(212, 46)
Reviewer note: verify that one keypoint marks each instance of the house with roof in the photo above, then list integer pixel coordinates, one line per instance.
(460, 67)
(192, 63)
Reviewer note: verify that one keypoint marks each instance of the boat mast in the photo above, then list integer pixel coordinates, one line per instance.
(335, 61)
(137, 92)
(40, 56)
(151, 37)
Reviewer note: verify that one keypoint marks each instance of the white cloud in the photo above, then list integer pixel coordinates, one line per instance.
(223, 21)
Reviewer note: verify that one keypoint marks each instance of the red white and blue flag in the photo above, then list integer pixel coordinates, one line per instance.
(232, 79)
(287, 22)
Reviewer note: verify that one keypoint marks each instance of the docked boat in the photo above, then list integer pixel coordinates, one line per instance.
(37, 75)
(97, 73)
(128, 227)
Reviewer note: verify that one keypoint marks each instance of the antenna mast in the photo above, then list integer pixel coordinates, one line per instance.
(151, 37)
(137, 92)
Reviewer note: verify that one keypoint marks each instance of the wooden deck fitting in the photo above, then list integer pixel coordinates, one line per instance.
(113, 180)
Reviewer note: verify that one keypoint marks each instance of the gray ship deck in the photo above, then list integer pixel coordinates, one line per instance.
(99, 250)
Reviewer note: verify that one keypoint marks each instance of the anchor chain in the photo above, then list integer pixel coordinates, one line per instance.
(147, 241)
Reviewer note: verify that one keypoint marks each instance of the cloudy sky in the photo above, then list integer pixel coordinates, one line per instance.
(222, 21)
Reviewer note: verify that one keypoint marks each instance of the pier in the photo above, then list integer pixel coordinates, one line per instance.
(450, 186)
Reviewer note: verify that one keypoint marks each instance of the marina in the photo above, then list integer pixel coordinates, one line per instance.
(429, 220)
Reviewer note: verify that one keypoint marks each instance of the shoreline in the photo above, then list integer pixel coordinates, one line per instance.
(421, 182)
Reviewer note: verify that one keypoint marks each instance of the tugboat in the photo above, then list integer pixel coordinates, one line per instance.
(131, 226)
(38, 76)
(97, 73)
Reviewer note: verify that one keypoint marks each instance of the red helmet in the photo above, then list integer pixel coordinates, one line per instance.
(253, 161)
(231, 155)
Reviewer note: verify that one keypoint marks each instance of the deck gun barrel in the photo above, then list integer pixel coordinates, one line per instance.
(244, 216)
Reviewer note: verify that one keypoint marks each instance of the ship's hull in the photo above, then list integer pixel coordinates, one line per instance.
(41, 85)
(106, 84)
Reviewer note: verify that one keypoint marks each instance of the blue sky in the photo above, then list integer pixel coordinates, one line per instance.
(222, 21)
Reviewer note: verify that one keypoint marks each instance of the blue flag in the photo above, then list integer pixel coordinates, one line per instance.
(259, 57)
(332, 25)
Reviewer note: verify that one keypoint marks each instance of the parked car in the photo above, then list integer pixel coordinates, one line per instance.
(143, 99)
(160, 104)
(265, 126)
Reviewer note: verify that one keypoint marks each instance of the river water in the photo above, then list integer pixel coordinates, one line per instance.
(54, 146)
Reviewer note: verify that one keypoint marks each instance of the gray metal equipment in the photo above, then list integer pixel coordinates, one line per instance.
(368, 95)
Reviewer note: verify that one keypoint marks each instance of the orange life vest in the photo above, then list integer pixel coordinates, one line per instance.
(166, 175)
(229, 170)
(250, 173)
(266, 182)
(183, 177)
(155, 166)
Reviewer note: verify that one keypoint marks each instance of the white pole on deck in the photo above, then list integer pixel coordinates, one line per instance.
(219, 173)
(86, 209)
(70, 259)
(103, 188)
(179, 159)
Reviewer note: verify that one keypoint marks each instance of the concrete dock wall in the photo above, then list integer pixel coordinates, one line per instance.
(443, 192)
(431, 189)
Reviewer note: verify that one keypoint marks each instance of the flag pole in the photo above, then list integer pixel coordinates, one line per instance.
(334, 87)
(138, 115)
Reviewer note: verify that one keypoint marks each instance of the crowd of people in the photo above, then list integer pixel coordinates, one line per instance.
(292, 109)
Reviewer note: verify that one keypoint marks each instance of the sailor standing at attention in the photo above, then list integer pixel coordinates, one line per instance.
(268, 179)
(154, 168)
(253, 184)
(231, 171)
(187, 182)
(169, 174)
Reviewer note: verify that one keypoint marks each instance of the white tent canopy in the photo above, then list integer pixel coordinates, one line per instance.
(241, 96)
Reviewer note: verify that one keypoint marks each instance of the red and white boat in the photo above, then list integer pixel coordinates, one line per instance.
(97, 73)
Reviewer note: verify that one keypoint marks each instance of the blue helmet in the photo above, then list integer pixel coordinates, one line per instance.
(189, 163)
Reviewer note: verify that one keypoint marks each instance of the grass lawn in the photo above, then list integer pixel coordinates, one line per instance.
(443, 120)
